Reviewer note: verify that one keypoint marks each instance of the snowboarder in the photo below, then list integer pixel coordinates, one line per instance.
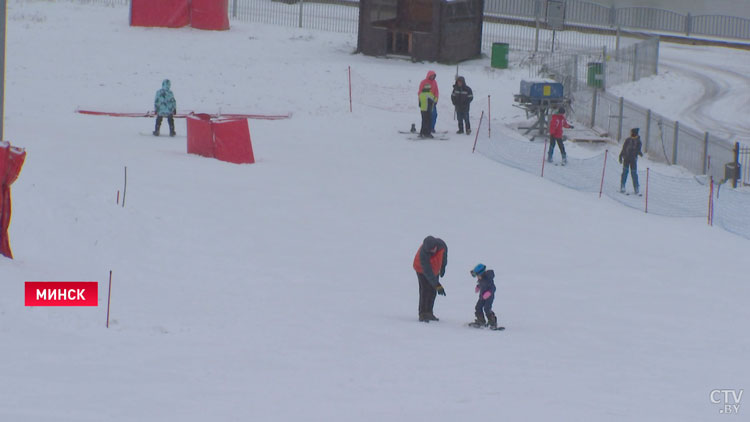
(486, 289)
(461, 98)
(631, 150)
(556, 124)
(431, 80)
(429, 263)
(426, 106)
(165, 106)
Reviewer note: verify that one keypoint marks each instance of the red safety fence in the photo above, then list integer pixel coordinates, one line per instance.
(11, 161)
(190, 113)
(223, 139)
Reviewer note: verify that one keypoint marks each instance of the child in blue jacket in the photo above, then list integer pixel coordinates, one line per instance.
(486, 289)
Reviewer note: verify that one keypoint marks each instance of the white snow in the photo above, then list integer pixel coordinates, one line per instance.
(283, 290)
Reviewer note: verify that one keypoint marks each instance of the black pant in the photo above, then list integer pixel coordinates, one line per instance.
(552, 142)
(170, 121)
(463, 118)
(427, 294)
(426, 123)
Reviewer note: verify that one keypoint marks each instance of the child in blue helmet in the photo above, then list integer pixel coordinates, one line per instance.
(486, 289)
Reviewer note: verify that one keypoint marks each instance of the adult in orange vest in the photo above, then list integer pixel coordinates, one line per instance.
(429, 263)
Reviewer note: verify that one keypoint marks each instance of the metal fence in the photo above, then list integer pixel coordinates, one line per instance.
(664, 140)
(579, 12)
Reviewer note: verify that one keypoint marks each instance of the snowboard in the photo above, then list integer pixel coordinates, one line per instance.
(484, 327)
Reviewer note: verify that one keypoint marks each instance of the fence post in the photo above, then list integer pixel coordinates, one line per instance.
(635, 62)
(612, 16)
(621, 106)
(604, 68)
(536, 37)
(617, 44)
(300, 13)
(234, 8)
(705, 153)
(688, 24)
(648, 173)
(648, 129)
(604, 169)
(593, 108)
(736, 163)
(676, 139)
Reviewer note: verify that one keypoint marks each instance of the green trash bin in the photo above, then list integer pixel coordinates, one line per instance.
(499, 55)
(595, 75)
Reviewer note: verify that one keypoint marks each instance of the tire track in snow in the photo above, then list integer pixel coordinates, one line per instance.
(722, 89)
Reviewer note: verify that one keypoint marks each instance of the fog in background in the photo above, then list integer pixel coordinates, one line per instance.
(740, 8)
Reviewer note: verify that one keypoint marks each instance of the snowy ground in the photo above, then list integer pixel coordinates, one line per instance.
(283, 290)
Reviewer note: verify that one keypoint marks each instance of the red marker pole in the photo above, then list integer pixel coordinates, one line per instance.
(489, 117)
(350, 89)
(109, 295)
(477, 134)
(601, 187)
(544, 154)
(648, 171)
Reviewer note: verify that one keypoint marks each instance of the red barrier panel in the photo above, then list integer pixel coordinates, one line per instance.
(200, 137)
(165, 13)
(11, 161)
(210, 14)
(232, 141)
(225, 140)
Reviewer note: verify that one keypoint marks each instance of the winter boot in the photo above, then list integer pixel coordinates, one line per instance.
(432, 317)
(635, 188)
(172, 133)
(424, 318)
(564, 159)
(156, 133)
(479, 321)
(492, 320)
(622, 188)
(468, 131)
(413, 128)
(460, 131)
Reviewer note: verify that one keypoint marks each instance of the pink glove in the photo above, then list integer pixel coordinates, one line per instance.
(476, 289)
(486, 295)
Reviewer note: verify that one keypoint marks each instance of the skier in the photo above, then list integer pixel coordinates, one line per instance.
(429, 263)
(486, 289)
(426, 106)
(631, 149)
(165, 106)
(461, 98)
(431, 80)
(556, 124)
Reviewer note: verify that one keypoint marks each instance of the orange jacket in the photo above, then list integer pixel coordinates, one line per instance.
(433, 85)
(431, 265)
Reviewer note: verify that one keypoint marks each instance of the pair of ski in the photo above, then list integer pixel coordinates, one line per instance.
(628, 193)
(437, 136)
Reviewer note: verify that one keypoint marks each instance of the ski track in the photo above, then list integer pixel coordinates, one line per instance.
(715, 92)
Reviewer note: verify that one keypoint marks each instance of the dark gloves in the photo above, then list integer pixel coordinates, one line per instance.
(440, 290)
(620, 159)
(442, 272)
(572, 127)
(640, 153)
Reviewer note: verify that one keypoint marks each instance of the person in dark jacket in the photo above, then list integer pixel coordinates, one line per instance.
(429, 263)
(461, 98)
(556, 125)
(486, 289)
(631, 150)
(165, 106)
(427, 104)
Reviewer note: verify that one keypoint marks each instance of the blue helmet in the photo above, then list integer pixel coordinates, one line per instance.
(478, 270)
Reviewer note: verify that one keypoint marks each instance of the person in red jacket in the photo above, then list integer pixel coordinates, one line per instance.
(556, 124)
(432, 81)
(429, 263)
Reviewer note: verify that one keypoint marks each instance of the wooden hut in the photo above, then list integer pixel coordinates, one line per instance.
(446, 31)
